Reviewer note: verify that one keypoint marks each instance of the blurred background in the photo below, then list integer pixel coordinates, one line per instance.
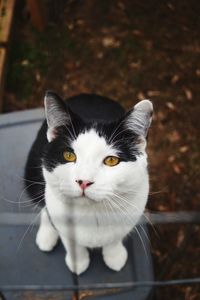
(127, 50)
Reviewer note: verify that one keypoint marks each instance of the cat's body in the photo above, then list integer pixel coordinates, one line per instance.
(96, 194)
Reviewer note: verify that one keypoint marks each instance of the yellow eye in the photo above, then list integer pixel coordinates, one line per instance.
(111, 161)
(69, 156)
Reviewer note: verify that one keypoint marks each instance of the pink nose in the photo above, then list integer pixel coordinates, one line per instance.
(84, 183)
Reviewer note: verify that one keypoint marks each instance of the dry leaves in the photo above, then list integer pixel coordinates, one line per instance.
(110, 42)
(100, 55)
(184, 149)
(174, 136)
(171, 158)
(175, 79)
(171, 106)
(188, 93)
(153, 93)
(135, 65)
(176, 168)
(37, 76)
(137, 32)
(180, 237)
(141, 96)
(198, 72)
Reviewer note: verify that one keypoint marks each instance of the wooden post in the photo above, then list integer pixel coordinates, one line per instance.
(2, 73)
(6, 18)
(37, 13)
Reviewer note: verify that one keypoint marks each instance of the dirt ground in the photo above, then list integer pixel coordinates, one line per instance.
(128, 50)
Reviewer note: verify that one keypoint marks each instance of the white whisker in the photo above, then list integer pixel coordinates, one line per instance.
(118, 126)
(120, 132)
(31, 181)
(27, 230)
(113, 213)
(144, 231)
(134, 206)
(140, 237)
(22, 193)
(124, 211)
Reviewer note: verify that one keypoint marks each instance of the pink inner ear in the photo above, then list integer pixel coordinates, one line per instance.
(51, 134)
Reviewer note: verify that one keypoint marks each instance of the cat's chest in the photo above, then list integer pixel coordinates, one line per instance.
(83, 224)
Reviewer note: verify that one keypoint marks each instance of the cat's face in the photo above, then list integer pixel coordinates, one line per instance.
(95, 161)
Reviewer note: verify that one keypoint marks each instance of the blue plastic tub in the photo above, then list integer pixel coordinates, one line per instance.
(21, 263)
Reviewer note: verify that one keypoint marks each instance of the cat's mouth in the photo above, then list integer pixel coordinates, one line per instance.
(82, 198)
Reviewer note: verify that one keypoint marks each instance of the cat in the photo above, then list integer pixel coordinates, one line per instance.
(88, 168)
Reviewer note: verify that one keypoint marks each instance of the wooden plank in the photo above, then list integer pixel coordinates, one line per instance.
(6, 17)
(2, 72)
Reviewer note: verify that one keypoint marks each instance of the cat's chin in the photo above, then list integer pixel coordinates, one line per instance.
(80, 200)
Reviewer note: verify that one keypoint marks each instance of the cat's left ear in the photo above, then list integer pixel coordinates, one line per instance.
(139, 118)
(57, 114)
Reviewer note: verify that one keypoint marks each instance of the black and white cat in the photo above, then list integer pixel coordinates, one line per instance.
(89, 163)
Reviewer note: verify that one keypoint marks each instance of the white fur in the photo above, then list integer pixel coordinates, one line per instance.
(47, 236)
(90, 221)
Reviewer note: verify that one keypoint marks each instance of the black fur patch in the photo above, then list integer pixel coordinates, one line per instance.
(123, 140)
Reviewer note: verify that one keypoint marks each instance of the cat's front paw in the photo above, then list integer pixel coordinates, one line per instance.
(46, 240)
(115, 258)
(78, 266)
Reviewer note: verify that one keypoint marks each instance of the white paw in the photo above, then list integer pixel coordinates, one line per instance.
(80, 265)
(117, 259)
(46, 239)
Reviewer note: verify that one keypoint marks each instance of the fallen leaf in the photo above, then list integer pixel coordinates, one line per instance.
(176, 168)
(100, 55)
(37, 76)
(171, 106)
(175, 79)
(135, 65)
(137, 32)
(162, 208)
(184, 149)
(156, 252)
(171, 6)
(80, 22)
(198, 72)
(65, 87)
(180, 238)
(174, 136)
(110, 42)
(188, 93)
(70, 26)
(25, 62)
(161, 116)
(141, 96)
(171, 158)
(121, 5)
(153, 93)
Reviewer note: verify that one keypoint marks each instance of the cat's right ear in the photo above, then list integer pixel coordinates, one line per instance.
(56, 114)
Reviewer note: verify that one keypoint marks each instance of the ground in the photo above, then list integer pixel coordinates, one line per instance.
(128, 50)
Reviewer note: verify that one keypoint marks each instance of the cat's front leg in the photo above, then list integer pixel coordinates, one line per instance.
(115, 255)
(77, 257)
(47, 236)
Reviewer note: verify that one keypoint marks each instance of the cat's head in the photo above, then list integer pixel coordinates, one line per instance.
(94, 159)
